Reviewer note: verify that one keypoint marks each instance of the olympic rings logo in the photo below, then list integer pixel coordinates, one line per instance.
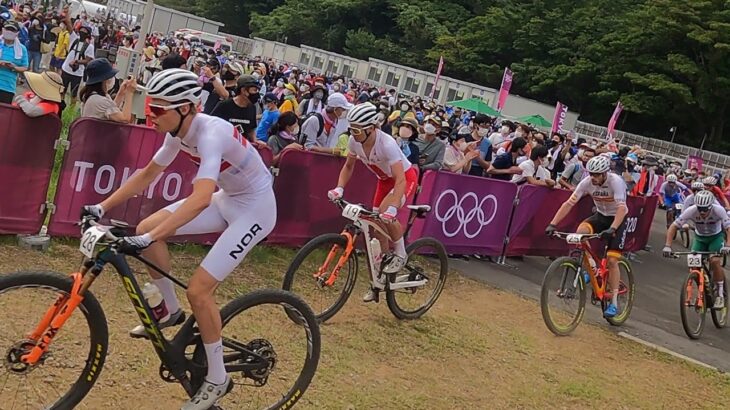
(475, 213)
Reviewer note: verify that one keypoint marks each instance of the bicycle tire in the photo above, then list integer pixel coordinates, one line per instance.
(686, 240)
(719, 317)
(691, 333)
(274, 296)
(621, 318)
(352, 270)
(95, 318)
(391, 297)
(554, 269)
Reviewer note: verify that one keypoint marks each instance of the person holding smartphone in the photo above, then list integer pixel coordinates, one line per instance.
(13, 60)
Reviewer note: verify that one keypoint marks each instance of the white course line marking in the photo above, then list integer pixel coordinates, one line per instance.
(669, 352)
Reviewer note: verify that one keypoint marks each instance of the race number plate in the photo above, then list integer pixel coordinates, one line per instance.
(90, 239)
(694, 261)
(678, 207)
(574, 238)
(351, 211)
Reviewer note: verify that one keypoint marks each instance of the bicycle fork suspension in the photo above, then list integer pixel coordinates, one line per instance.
(55, 317)
(700, 289)
(322, 271)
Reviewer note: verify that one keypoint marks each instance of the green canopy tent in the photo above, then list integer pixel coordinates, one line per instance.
(476, 105)
(536, 120)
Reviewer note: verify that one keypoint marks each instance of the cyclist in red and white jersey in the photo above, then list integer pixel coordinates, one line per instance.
(711, 185)
(243, 209)
(397, 178)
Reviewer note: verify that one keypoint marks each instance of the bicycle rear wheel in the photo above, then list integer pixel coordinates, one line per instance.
(75, 357)
(719, 316)
(563, 296)
(626, 293)
(257, 327)
(412, 303)
(311, 269)
(685, 238)
(692, 306)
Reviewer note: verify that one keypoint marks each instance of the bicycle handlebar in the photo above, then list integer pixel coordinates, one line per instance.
(341, 203)
(583, 237)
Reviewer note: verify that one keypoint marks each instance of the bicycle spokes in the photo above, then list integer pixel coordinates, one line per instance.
(52, 321)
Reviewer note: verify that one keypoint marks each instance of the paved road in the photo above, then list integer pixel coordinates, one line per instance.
(655, 316)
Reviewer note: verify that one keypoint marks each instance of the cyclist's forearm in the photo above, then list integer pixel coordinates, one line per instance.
(621, 213)
(133, 186)
(562, 212)
(345, 175)
(671, 231)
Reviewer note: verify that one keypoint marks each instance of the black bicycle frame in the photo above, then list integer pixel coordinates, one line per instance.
(172, 353)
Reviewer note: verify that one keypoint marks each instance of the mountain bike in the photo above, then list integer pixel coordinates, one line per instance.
(54, 336)
(315, 271)
(697, 295)
(566, 279)
(684, 233)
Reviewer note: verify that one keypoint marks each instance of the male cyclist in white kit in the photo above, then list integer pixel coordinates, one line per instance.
(243, 209)
(397, 178)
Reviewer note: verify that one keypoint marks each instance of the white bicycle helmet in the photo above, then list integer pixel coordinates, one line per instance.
(598, 165)
(710, 181)
(698, 185)
(704, 199)
(363, 115)
(174, 85)
(234, 66)
(671, 178)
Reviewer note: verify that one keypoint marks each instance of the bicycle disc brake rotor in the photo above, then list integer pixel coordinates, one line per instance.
(13, 361)
(263, 348)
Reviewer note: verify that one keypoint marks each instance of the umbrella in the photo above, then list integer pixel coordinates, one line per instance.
(536, 120)
(476, 105)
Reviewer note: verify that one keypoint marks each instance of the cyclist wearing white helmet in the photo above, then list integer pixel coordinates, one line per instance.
(712, 224)
(696, 187)
(397, 178)
(671, 191)
(711, 185)
(243, 209)
(608, 191)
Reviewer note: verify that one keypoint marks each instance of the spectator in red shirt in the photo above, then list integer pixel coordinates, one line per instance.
(44, 97)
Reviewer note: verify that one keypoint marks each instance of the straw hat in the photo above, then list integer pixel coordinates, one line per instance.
(47, 85)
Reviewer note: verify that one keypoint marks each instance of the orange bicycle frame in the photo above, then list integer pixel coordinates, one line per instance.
(349, 247)
(53, 320)
(700, 288)
(601, 263)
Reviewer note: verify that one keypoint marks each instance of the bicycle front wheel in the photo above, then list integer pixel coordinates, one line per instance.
(626, 293)
(427, 263)
(258, 330)
(563, 296)
(719, 316)
(692, 306)
(312, 275)
(74, 359)
(685, 238)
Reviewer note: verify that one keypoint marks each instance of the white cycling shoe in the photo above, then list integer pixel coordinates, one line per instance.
(208, 395)
(719, 303)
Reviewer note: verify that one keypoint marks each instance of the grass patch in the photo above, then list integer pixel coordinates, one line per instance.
(477, 348)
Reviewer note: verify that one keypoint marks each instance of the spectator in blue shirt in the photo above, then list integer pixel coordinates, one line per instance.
(268, 118)
(13, 60)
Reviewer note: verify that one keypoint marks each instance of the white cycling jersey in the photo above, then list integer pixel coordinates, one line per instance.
(244, 209)
(221, 153)
(715, 222)
(607, 197)
(385, 153)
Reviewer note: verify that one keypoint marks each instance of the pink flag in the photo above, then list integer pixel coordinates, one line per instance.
(561, 111)
(217, 45)
(438, 75)
(504, 89)
(613, 120)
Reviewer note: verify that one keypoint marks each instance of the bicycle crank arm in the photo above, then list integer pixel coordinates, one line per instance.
(413, 284)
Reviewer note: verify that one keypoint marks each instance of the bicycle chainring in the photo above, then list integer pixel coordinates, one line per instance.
(13, 361)
(263, 348)
(166, 375)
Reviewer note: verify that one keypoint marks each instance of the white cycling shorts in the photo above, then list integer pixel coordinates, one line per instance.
(244, 220)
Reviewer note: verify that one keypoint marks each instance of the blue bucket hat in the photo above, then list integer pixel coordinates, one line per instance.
(99, 70)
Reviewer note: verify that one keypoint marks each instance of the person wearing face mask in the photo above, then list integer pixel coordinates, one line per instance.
(314, 104)
(458, 155)
(533, 170)
(397, 181)
(283, 135)
(241, 109)
(481, 126)
(222, 88)
(62, 46)
(407, 135)
(279, 89)
(290, 103)
(499, 137)
(505, 165)
(268, 118)
(397, 116)
(576, 172)
(13, 60)
(100, 78)
(319, 131)
(38, 34)
(81, 52)
(431, 149)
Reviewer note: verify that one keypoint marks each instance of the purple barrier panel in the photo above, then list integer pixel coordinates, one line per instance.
(303, 210)
(469, 214)
(536, 208)
(102, 155)
(26, 163)
(267, 155)
(639, 220)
